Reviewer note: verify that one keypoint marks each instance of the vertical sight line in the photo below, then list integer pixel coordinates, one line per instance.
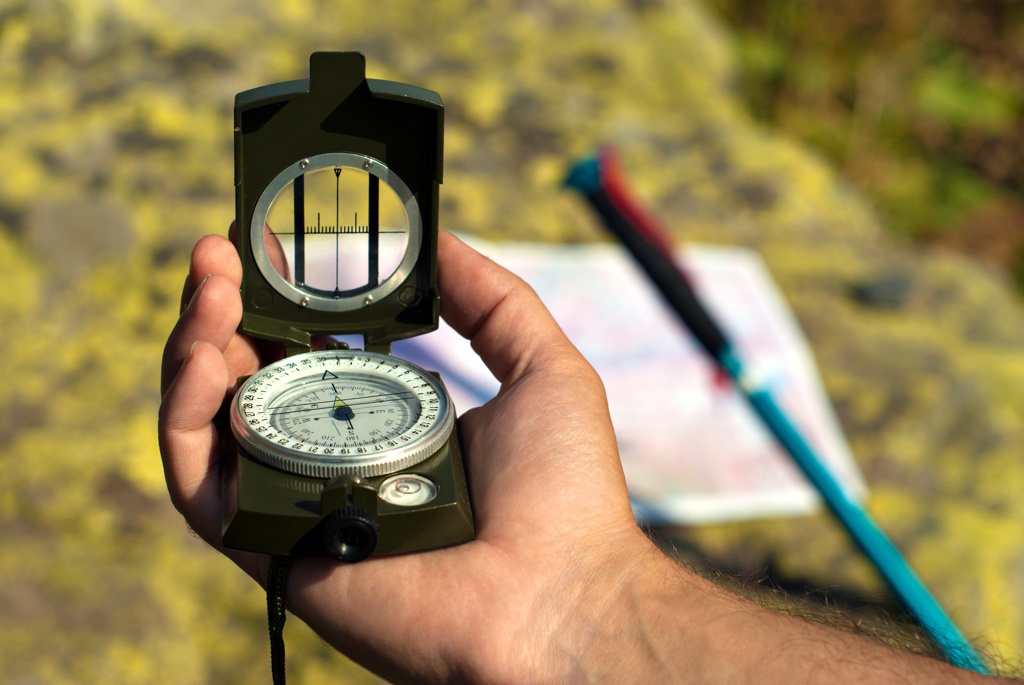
(299, 204)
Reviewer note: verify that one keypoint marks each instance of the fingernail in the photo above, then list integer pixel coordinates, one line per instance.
(199, 289)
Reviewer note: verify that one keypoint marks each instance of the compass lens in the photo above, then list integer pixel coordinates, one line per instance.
(341, 231)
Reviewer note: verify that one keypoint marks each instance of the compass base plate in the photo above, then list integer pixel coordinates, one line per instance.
(273, 512)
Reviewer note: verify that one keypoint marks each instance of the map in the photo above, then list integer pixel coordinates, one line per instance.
(692, 450)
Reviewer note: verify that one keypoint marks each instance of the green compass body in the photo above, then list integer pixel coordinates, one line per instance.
(341, 452)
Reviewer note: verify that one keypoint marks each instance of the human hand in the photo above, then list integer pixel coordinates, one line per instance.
(555, 541)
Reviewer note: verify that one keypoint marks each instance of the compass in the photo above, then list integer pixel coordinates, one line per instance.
(341, 452)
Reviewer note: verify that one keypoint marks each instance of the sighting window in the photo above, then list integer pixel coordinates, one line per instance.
(339, 231)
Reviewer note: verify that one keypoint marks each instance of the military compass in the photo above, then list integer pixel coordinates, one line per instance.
(340, 452)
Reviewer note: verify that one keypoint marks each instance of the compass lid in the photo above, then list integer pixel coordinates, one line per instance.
(337, 181)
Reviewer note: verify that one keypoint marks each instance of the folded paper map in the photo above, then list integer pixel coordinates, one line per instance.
(692, 450)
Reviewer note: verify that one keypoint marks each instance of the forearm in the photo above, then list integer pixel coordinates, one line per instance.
(662, 623)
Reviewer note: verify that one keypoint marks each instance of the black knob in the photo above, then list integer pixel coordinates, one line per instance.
(350, 534)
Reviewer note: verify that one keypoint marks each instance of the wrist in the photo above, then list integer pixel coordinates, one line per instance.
(634, 626)
(592, 622)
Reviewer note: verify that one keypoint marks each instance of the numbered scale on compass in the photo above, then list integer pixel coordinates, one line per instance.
(335, 412)
(336, 227)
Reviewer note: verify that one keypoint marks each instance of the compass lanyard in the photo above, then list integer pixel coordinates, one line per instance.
(277, 575)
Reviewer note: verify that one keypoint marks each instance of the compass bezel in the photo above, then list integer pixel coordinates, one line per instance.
(252, 425)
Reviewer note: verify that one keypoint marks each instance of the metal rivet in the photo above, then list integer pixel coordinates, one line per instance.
(304, 302)
(303, 163)
(367, 165)
(407, 295)
(368, 300)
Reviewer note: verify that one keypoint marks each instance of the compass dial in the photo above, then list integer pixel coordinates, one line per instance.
(323, 414)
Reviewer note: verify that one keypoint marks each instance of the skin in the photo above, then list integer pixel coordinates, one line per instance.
(560, 585)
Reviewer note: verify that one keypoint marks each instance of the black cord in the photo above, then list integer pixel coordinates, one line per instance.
(277, 575)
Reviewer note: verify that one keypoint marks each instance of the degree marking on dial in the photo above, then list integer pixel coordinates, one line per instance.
(348, 394)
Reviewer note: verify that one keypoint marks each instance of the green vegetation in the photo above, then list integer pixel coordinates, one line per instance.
(115, 140)
(918, 103)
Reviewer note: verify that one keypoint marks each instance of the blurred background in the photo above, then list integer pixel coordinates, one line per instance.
(870, 151)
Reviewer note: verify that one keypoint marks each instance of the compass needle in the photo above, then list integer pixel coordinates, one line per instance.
(342, 411)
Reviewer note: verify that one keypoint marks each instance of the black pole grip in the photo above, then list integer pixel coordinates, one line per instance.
(673, 287)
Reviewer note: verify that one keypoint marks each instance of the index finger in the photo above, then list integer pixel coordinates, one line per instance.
(213, 254)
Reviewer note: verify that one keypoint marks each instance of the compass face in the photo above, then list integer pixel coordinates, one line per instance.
(336, 232)
(335, 412)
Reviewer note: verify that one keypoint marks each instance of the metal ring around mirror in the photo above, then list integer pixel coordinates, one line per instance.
(314, 300)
